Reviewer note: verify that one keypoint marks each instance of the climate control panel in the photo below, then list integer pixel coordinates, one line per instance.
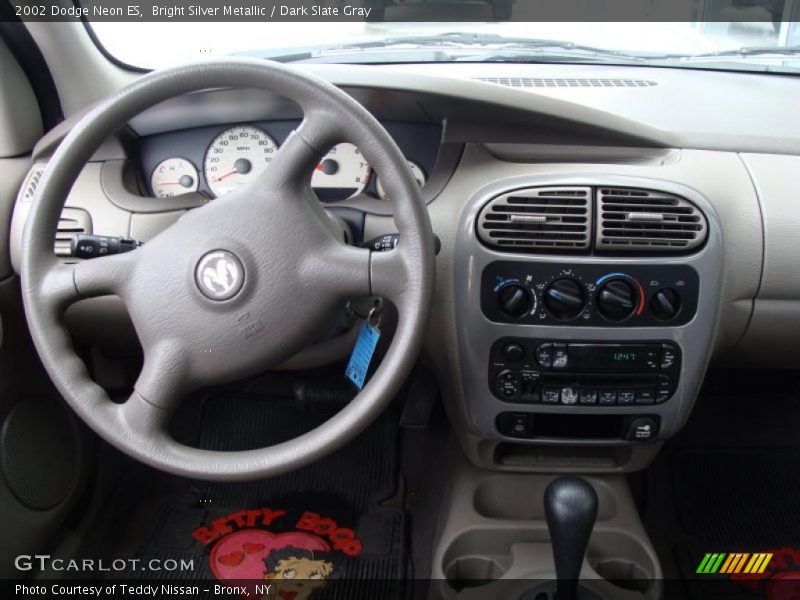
(589, 294)
(588, 373)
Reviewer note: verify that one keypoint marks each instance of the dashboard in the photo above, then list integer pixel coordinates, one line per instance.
(217, 159)
(601, 245)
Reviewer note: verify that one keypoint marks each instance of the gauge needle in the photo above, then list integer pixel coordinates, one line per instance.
(225, 175)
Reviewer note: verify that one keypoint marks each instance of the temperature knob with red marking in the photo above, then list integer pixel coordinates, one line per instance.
(616, 299)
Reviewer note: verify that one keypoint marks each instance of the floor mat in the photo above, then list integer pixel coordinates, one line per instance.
(733, 502)
(765, 485)
(321, 524)
(728, 483)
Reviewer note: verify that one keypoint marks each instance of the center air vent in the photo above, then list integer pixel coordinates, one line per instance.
(572, 82)
(645, 220)
(544, 218)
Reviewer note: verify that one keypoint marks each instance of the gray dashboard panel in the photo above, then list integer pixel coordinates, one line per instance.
(719, 177)
(772, 338)
(476, 333)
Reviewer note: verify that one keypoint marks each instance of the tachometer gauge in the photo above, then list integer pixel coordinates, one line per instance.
(236, 157)
(173, 176)
(342, 173)
(416, 171)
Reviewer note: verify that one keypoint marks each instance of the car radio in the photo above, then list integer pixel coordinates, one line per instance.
(590, 373)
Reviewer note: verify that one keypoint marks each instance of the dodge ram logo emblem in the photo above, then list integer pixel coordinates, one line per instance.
(219, 275)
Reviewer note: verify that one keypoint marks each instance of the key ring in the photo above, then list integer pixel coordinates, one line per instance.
(375, 312)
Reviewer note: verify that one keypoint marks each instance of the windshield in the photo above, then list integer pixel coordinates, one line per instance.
(762, 45)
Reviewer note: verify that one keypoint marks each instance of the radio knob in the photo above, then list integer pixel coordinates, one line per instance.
(564, 298)
(665, 304)
(514, 300)
(616, 299)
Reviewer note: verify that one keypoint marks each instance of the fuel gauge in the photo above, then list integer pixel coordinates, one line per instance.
(172, 177)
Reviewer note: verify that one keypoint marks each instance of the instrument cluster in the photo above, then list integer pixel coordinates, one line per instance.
(217, 160)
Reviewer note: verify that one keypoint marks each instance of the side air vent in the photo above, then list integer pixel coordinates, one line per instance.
(544, 218)
(645, 220)
(542, 82)
(28, 189)
(73, 221)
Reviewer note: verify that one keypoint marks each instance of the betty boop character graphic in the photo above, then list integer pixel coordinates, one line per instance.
(297, 572)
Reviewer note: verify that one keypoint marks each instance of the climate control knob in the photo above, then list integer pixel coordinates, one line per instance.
(564, 298)
(616, 299)
(514, 300)
(665, 304)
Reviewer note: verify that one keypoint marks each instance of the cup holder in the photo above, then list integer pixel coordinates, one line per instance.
(483, 555)
(624, 574)
(473, 571)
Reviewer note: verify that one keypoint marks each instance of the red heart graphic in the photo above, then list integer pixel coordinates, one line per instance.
(251, 548)
(257, 544)
(287, 595)
(234, 559)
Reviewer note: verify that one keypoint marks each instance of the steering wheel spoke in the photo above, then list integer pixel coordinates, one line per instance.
(144, 420)
(388, 275)
(338, 268)
(60, 284)
(105, 275)
(163, 379)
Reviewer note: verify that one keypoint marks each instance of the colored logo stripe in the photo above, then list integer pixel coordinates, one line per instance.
(737, 562)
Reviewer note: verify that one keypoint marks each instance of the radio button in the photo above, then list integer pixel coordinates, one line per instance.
(663, 389)
(551, 395)
(588, 397)
(626, 396)
(560, 356)
(513, 352)
(544, 355)
(653, 357)
(569, 395)
(608, 397)
(668, 356)
(645, 396)
(508, 384)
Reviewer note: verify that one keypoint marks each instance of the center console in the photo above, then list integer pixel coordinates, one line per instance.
(586, 310)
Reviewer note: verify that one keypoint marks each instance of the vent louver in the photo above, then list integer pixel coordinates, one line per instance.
(28, 189)
(73, 221)
(580, 82)
(645, 220)
(544, 218)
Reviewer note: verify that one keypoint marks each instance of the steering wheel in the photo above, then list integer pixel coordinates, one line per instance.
(235, 286)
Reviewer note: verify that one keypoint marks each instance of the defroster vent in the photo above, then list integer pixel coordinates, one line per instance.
(539, 218)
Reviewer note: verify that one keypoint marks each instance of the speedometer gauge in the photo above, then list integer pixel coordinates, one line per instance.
(236, 157)
(416, 171)
(173, 176)
(342, 173)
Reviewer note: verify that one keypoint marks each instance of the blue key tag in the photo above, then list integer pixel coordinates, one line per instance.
(362, 353)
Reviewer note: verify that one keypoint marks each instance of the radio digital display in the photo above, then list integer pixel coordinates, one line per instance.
(613, 356)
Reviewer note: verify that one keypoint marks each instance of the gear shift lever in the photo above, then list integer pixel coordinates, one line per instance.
(570, 505)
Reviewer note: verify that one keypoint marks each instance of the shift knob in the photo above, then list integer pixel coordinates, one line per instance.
(570, 505)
